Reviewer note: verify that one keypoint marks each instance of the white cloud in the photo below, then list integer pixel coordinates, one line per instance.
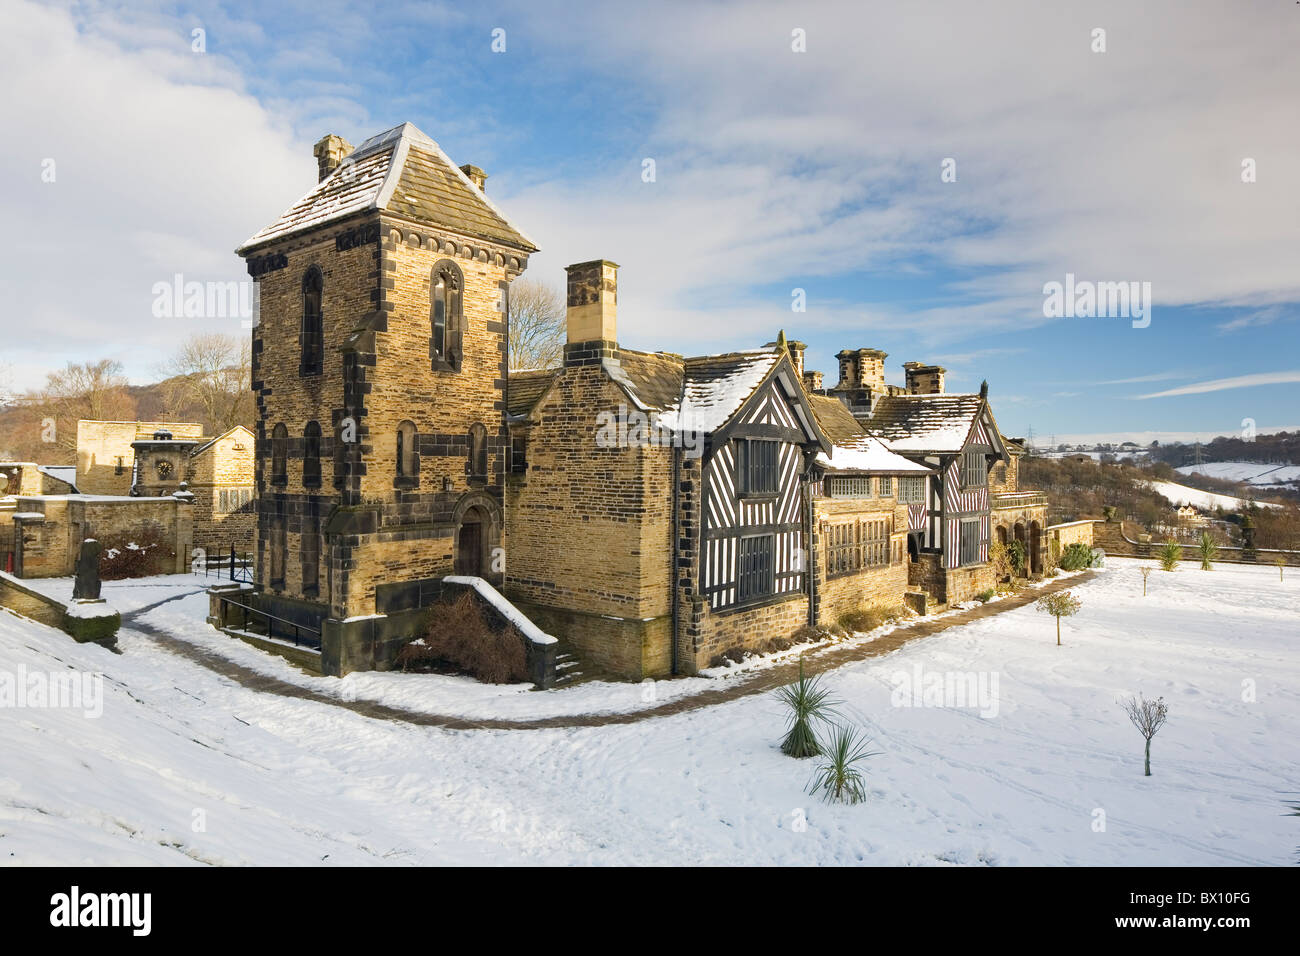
(1223, 384)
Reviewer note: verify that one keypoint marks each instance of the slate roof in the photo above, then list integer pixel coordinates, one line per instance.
(853, 448)
(917, 424)
(404, 172)
(527, 387)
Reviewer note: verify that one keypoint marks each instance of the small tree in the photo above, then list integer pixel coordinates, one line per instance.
(1208, 550)
(1280, 561)
(838, 778)
(808, 701)
(1147, 716)
(1059, 605)
(1171, 552)
(1146, 573)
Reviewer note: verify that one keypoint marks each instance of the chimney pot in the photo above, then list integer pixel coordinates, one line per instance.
(476, 176)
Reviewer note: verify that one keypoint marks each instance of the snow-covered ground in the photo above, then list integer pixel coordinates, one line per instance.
(184, 765)
(1251, 472)
(1206, 500)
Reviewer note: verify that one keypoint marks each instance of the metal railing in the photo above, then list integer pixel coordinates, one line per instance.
(233, 566)
(311, 641)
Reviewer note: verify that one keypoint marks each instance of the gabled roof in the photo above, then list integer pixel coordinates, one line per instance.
(212, 441)
(404, 172)
(926, 424)
(853, 448)
(527, 387)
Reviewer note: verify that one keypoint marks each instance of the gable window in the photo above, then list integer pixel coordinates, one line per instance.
(754, 564)
(407, 457)
(311, 455)
(974, 471)
(477, 466)
(279, 455)
(911, 490)
(446, 317)
(756, 471)
(312, 333)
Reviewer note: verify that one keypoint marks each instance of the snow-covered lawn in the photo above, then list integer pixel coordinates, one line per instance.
(279, 780)
(1249, 471)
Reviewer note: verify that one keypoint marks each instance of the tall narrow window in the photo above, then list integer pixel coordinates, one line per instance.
(755, 569)
(756, 471)
(974, 469)
(407, 458)
(312, 334)
(445, 315)
(279, 454)
(478, 456)
(311, 456)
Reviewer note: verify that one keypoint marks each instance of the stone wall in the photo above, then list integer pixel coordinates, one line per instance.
(225, 465)
(879, 586)
(50, 545)
(105, 457)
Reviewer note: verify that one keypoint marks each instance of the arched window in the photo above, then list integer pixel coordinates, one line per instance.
(279, 454)
(312, 335)
(311, 455)
(407, 456)
(446, 321)
(478, 453)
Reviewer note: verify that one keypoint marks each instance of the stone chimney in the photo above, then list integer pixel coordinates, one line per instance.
(924, 379)
(329, 153)
(591, 315)
(476, 176)
(812, 381)
(862, 368)
(794, 349)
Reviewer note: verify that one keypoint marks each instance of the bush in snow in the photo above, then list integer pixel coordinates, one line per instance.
(808, 701)
(459, 638)
(864, 618)
(839, 779)
(138, 554)
(1171, 552)
(986, 596)
(1147, 716)
(1208, 550)
(1076, 557)
(1059, 605)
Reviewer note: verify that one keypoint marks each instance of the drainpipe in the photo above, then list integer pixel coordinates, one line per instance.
(673, 552)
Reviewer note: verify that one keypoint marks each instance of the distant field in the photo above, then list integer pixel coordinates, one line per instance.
(1251, 472)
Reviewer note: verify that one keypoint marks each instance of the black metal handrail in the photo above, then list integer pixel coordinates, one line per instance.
(270, 629)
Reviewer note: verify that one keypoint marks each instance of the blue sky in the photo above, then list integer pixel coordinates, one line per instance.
(775, 170)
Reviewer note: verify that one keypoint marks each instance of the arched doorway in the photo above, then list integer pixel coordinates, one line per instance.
(478, 536)
(1002, 535)
(1019, 532)
(1035, 547)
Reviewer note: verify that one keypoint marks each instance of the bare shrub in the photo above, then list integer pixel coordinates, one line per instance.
(136, 555)
(458, 637)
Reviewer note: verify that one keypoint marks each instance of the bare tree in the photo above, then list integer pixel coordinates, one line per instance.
(537, 330)
(211, 372)
(1147, 716)
(92, 390)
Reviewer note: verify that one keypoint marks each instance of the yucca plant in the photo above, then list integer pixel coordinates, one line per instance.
(839, 779)
(1171, 552)
(1208, 550)
(808, 701)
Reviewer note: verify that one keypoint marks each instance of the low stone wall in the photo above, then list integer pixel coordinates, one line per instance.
(621, 647)
(747, 629)
(53, 527)
(1121, 538)
(83, 622)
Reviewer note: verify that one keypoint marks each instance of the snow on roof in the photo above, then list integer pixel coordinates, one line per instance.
(925, 423)
(867, 453)
(402, 171)
(64, 473)
(715, 387)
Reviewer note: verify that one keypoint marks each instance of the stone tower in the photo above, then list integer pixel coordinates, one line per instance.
(379, 371)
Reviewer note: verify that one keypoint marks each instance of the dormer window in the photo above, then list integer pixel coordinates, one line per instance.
(446, 318)
(756, 467)
(312, 333)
